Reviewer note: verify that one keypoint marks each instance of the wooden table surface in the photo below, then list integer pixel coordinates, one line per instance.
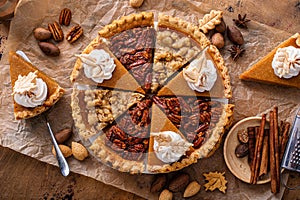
(22, 177)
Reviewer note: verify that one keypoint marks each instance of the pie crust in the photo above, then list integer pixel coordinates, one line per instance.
(125, 143)
(18, 66)
(262, 71)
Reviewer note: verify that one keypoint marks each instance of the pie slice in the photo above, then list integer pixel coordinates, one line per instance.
(131, 40)
(124, 145)
(174, 47)
(161, 123)
(94, 109)
(18, 66)
(119, 79)
(263, 72)
(221, 87)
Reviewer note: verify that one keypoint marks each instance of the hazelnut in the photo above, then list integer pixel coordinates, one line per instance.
(217, 39)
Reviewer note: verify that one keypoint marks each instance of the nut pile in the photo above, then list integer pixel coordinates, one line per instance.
(54, 31)
(78, 151)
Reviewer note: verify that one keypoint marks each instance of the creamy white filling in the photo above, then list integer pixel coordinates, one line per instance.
(286, 62)
(30, 91)
(98, 65)
(169, 146)
(201, 74)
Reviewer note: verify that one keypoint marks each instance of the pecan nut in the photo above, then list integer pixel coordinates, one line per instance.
(65, 17)
(56, 31)
(74, 33)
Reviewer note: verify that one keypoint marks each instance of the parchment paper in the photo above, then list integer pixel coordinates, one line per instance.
(31, 137)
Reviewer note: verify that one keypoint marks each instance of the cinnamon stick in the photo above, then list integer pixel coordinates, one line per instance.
(258, 149)
(251, 144)
(263, 170)
(284, 138)
(277, 154)
(272, 154)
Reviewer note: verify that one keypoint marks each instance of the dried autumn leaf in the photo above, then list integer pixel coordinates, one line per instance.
(209, 21)
(216, 180)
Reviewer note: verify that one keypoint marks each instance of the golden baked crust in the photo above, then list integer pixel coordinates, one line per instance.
(221, 88)
(263, 72)
(127, 22)
(184, 27)
(18, 66)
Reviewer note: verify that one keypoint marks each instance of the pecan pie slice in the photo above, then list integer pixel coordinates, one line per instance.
(263, 72)
(196, 80)
(20, 67)
(124, 145)
(94, 109)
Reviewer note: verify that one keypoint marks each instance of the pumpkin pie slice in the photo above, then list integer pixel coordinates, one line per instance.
(94, 109)
(167, 160)
(21, 68)
(195, 80)
(177, 42)
(263, 72)
(110, 73)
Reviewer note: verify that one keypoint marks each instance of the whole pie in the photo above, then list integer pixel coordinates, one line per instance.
(25, 79)
(175, 107)
(279, 67)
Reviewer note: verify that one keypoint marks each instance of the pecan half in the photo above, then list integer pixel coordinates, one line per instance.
(65, 17)
(56, 31)
(75, 33)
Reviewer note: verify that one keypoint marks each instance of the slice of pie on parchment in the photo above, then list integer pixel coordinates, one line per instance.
(22, 69)
(279, 67)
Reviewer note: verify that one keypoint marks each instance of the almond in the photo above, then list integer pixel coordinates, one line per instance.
(66, 151)
(192, 189)
(79, 151)
(165, 195)
(179, 182)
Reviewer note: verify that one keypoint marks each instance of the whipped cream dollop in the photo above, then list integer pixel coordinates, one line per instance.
(30, 91)
(98, 65)
(286, 62)
(201, 74)
(170, 146)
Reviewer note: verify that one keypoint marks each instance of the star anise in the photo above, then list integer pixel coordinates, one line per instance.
(241, 21)
(236, 51)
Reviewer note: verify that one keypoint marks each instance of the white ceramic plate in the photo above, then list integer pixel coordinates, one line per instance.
(239, 167)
